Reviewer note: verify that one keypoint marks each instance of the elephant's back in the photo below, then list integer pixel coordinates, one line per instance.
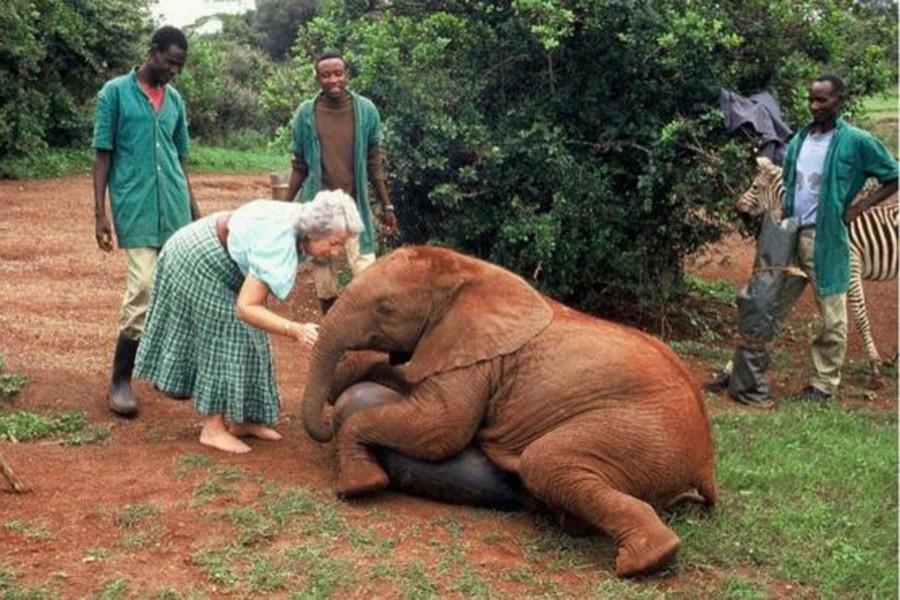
(611, 360)
(584, 370)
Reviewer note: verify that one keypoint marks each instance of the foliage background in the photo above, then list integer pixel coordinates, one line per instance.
(577, 142)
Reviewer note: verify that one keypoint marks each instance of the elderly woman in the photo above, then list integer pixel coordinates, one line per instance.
(207, 323)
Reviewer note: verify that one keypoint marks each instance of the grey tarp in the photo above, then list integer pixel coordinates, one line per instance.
(761, 113)
(759, 304)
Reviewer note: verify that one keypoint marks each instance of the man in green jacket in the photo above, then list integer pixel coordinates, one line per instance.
(140, 145)
(337, 141)
(825, 167)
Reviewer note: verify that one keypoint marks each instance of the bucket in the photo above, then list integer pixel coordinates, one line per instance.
(279, 183)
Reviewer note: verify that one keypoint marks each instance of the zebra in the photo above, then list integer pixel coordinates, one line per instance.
(873, 242)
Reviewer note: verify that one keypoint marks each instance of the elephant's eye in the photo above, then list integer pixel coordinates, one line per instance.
(384, 310)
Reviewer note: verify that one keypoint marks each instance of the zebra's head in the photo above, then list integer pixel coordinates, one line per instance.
(766, 193)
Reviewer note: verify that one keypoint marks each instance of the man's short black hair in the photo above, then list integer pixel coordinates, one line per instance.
(328, 54)
(168, 36)
(838, 88)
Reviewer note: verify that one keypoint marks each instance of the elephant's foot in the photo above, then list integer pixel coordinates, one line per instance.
(360, 477)
(646, 550)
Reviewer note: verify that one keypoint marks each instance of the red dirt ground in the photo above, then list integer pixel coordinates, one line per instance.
(59, 300)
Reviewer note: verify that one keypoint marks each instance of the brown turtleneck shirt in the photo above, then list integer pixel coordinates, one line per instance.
(334, 126)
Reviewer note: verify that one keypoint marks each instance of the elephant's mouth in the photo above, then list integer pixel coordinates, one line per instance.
(398, 357)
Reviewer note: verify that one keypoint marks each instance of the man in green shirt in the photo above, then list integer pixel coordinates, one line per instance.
(337, 142)
(825, 167)
(141, 143)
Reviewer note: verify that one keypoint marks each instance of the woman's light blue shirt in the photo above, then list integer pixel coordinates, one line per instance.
(263, 243)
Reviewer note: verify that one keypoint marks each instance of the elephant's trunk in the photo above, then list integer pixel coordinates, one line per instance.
(326, 354)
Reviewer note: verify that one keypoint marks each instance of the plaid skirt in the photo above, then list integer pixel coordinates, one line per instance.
(194, 344)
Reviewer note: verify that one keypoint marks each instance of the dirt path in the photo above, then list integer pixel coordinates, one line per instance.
(60, 296)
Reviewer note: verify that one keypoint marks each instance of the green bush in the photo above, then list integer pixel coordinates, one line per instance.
(580, 142)
(54, 56)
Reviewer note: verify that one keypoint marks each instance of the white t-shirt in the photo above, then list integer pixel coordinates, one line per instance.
(810, 167)
(263, 243)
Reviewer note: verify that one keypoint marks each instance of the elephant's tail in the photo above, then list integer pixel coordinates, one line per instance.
(708, 491)
(704, 492)
(706, 486)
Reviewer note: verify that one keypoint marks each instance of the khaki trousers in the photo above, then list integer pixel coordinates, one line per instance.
(326, 276)
(141, 267)
(830, 344)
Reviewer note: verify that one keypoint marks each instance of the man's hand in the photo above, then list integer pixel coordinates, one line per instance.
(389, 222)
(851, 213)
(103, 232)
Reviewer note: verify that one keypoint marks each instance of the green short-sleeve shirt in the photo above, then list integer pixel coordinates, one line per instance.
(148, 189)
(853, 156)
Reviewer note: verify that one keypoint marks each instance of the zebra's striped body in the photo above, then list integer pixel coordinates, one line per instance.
(873, 243)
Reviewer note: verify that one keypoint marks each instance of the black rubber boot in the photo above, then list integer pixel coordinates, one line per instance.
(325, 304)
(121, 398)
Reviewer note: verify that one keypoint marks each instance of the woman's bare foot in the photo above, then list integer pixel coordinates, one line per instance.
(254, 430)
(215, 435)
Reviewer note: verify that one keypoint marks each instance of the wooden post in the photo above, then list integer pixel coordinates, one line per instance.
(7, 471)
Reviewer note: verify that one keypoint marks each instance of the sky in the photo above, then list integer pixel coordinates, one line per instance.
(184, 12)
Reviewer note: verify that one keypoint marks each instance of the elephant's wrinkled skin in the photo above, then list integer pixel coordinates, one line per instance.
(601, 422)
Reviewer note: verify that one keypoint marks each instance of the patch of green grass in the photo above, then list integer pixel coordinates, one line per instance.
(739, 588)
(880, 116)
(623, 588)
(171, 594)
(71, 426)
(136, 540)
(881, 105)
(454, 528)
(808, 494)
(132, 515)
(323, 575)
(252, 157)
(217, 483)
(415, 583)
(10, 383)
(228, 160)
(254, 528)
(717, 353)
(469, 583)
(11, 590)
(28, 530)
(719, 291)
(97, 553)
(189, 462)
(266, 575)
(561, 551)
(284, 507)
(115, 589)
(209, 489)
(216, 565)
(49, 162)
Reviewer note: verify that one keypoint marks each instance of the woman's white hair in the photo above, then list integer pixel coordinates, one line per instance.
(329, 211)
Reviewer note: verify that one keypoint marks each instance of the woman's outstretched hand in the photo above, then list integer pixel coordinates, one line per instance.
(306, 333)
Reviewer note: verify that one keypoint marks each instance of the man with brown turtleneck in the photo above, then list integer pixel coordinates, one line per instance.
(337, 145)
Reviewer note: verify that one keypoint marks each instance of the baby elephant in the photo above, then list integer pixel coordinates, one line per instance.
(600, 422)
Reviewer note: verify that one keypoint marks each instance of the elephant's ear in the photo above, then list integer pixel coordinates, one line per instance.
(489, 315)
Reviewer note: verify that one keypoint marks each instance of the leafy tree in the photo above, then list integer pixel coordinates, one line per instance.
(221, 86)
(54, 55)
(278, 22)
(579, 142)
